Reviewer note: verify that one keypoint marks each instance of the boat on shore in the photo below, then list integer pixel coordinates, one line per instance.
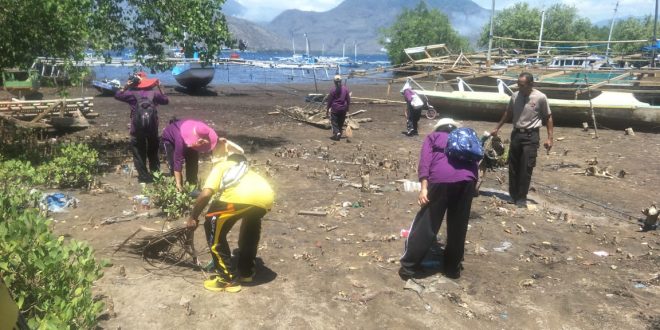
(612, 109)
(107, 87)
(21, 83)
(193, 75)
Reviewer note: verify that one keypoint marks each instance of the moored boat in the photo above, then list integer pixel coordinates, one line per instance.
(194, 75)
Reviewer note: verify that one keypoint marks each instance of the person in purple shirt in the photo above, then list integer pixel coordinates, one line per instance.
(412, 113)
(339, 100)
(143, 143)
(182, 141)
(447, 187)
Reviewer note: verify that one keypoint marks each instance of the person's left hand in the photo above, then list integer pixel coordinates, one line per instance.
(192, 223)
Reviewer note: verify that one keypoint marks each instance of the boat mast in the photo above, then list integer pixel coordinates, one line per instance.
(609, 38)
(343, 50)
(490, 35)
(293, 42)
(355, 51)
(538, 51)
(655, 39)
(306, 45)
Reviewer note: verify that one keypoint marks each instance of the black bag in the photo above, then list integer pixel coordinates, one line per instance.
(145, 118)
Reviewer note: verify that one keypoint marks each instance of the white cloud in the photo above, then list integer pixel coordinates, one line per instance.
(596, 10)
(266, 10)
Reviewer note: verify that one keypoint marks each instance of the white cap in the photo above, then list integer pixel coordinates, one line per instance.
(337, 77)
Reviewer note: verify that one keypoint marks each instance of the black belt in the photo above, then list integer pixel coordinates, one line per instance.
(526, 130)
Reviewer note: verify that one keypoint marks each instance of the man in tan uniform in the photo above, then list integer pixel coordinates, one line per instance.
(529, 109)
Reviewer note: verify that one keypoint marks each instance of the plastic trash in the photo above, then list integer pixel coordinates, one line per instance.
(503, 247)
(409, 186)
(640, 286)
(404, 233)
(601, 253)
(58, 202)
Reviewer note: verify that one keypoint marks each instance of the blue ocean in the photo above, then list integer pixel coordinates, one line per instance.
(368, 69)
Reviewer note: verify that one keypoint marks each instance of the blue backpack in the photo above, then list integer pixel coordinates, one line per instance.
(464, 144)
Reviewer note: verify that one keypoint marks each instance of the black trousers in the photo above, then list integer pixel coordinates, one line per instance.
(412, 118)
(454, 199)
(191, 158)
(220, 219)
(337, 121)
(522, 160)
(144, 147)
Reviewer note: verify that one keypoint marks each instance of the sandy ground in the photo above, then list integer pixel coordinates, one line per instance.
(340, 270)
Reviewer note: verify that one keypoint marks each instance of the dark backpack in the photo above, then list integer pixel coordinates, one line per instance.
(145, 118)
(464, 144)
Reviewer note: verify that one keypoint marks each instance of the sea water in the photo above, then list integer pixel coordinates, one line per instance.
(226, 74)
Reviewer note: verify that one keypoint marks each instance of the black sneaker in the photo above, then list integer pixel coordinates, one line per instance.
(406, 273)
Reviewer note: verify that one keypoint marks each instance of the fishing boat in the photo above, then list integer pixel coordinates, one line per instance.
(107, 87)
(612, 109)
(20, 83)
(193, 75)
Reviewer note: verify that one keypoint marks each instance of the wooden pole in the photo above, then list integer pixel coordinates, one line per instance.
(593, 115)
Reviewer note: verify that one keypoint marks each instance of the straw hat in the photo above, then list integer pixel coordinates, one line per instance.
(145, 83)
(225, 149)
(445, 122)
(193, 130)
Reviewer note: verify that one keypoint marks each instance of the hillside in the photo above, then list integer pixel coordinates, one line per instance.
(360, 20)
(257, 36)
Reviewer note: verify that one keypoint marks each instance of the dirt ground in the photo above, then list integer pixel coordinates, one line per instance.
(340, 270)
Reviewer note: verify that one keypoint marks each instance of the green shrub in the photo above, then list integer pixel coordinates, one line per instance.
(74, 167)
(164, 195)
(52, 280)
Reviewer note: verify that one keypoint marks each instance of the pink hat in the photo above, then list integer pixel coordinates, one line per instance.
(193, 130)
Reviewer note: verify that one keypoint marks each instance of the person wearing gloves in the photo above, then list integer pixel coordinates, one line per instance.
(182, 142)
(448, 187)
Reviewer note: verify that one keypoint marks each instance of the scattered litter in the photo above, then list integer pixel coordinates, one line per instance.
(412, 186)
(503, 247)
(404, 233)
(640, 286)
(614, 267)
(58, 202)
(315, 213)
(601, 253)
(629, 131)
(414, 286)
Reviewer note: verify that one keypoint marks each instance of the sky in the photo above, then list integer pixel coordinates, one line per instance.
(596, 10)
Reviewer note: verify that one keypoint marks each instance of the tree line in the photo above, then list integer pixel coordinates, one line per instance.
(66, 28)
(420, 26)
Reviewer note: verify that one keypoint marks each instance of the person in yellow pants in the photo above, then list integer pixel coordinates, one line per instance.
(236, 193)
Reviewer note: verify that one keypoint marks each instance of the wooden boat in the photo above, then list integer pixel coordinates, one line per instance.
(21, 83)
(107, 87)
(612, 109)
(58, 113)
(193, 75)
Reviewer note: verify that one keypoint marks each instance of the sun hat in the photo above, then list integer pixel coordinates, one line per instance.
(193, 130)
(446, 122)
(225, 149)
(145, 83)
(337, 77)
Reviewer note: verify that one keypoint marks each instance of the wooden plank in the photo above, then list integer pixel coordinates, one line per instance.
(601, 84)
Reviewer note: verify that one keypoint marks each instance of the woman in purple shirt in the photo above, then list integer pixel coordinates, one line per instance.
(447, 187)
(182, 141)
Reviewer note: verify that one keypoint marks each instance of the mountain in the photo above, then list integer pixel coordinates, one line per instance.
(256, 36)
(360, 20)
